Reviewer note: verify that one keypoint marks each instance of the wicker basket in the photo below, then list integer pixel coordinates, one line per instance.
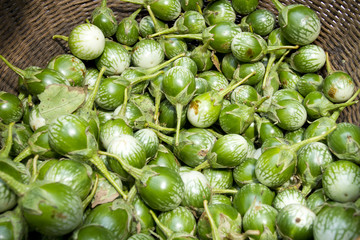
(26, 28)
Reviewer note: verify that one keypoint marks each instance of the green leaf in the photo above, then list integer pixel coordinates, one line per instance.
(58, 100)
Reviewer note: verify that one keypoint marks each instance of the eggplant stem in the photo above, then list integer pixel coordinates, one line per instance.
(195, 36)
(199, 8)
(65, 38)
(156, 24)
(34, 173)
(225, 91)
(158, 127)
(165, 138)
(223, 191)
(295, 147)
(17, 70)
(214, 230)
(5, 151)
(24, 154)
(167, 231)
(213, 132)
(279, 6)
(103, 3)
(179, 109)
(268, 68)
(202, 165)
(157, 107)
(274, 48)
(133, 171)
(89, 104)
(165, 31)
(144, 78)
(306, 190)
(126, 98)
(134, 14)
(329, 68)
(131, 194)
(139, 2)
(88, 199)
(17, 187)
(102, 168)
(162, 65)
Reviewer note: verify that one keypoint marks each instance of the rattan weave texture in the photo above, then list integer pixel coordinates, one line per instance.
(26, 28)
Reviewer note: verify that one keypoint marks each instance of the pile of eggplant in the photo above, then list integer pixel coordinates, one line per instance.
(199, 120)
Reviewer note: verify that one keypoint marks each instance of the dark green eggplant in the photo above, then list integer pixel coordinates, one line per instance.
(295, 136)
(236, 118)
(295, 221)
(276, 165)
(164, 157)
(219, 221)
(52, 209)
(194, 145)
(219, 11)
(179, 88)
(244, 7)
(267, 129)
(228, 152)
(74, 174)
(317, 105)
(69, 135)
(229, 63)
(244, 173)
(147, 26)
(127, 32)
(11, 108)
(309, 82)
(13, 225)
(204, 109)
(115, 216)
(36, 79)
(173, 47)
(161, 188)
(104, 18)
(261, 217)
(70, 66)
(260, 21)
(92, 232)
(188, 5)
(220, 199)
(344, 142)
(178, 220)
(252, 194)
(190, 22)
(288, 77)
(299, 24)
